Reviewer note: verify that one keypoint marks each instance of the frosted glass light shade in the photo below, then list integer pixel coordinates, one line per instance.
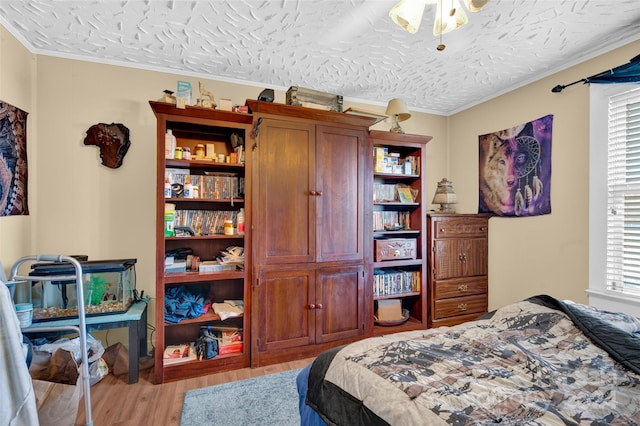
(449, 16)
(475, 5)
(408, 14)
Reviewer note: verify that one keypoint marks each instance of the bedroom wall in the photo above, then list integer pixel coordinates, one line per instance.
(79, 206)
(86, 208)
(546, 254)
(17, 87)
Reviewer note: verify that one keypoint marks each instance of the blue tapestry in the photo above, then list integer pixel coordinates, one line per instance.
(13, 161)
(515, 170)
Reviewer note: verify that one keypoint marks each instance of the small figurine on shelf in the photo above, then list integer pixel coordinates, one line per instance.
(168, 97)
(206, 98)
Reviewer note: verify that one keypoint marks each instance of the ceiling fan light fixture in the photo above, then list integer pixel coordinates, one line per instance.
(449, 16)
(408, 14)
(475, 5)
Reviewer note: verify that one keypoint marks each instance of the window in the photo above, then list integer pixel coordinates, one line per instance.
(614, 206)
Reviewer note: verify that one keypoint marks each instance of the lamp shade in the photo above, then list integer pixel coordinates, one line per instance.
(408, 14)
(445, 196)
(397, 109)
(449, 16)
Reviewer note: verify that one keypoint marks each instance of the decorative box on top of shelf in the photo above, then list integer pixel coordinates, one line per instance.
(222, 188)
(399, 227)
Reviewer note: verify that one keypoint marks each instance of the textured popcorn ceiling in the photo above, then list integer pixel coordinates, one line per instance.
(351, 48)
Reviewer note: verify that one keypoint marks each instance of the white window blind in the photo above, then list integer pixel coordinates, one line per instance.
(623, 193)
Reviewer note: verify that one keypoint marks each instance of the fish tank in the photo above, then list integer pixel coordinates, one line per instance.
(109, 288)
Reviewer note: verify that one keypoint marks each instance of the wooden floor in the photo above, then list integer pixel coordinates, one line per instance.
(114, 402)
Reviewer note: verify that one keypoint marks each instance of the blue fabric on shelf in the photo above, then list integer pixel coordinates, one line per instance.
(181, 304)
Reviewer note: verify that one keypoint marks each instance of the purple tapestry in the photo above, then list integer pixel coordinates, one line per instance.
(13, 161)
(515, 170)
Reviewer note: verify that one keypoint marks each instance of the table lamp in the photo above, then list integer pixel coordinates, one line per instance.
(397, 112)
(445, 196)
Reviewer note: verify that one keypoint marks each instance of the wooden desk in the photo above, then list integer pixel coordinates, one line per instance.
(135, 319)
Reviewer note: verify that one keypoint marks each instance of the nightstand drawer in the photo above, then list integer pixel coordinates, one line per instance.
(460, 306)
(453, 227)
(460, 287)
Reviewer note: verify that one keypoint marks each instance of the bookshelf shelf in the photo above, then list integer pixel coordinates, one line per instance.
(405, 152)
(393, 296)
(205, 200)
(198, 277)
(202, 319)
(222, 187)
(206, 237)
(398, 263)
(395, 203)
(398, 232)
(204, 164)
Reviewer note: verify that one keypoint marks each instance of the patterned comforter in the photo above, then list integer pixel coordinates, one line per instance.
(536, 362)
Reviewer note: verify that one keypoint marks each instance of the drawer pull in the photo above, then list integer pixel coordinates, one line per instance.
(463, 307)
(319, 306)
(441, 229)
(482, 228)
(396, 253)
(463, 288)
(312, 307)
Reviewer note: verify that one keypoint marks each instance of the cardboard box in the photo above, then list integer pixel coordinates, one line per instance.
(226, 104)
(389, 310)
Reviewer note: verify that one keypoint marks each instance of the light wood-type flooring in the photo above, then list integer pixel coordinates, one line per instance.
(114, 402)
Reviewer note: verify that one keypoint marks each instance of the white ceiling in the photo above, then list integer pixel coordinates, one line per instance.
(345, 47)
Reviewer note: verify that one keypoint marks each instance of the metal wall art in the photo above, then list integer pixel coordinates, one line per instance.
(113, 141)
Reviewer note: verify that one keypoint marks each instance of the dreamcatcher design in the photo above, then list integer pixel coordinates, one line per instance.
(515, 169)
(527, 166)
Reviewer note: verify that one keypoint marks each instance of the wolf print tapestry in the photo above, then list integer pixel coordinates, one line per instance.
(515, 170)
(13, 161)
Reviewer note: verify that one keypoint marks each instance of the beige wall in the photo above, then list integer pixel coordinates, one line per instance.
(17, 87)
(546, 254)
(83, 207)
(79, 206)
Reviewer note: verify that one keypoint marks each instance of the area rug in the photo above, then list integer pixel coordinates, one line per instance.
(264, 400)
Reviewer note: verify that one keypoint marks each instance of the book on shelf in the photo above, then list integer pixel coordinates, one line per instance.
(212, 186)
(404, 194)
(393, 219)
(175, 354)
(205, 222)
(209, 266)
(386, 283)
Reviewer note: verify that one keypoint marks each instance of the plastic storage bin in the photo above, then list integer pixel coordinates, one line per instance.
(108, 288)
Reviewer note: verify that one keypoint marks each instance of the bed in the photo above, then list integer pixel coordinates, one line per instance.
(540, 361)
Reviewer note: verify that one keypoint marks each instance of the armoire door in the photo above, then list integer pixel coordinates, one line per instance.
(340, 193)
(286, 304)
(286, 208)
(339, 312)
